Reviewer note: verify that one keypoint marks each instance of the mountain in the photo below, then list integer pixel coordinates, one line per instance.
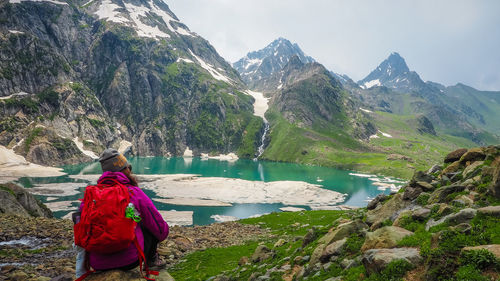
(458, 110)
(258, 65)
(81, 76)
(393, 72)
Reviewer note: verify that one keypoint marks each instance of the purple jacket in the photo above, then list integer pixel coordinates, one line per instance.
(150, 219)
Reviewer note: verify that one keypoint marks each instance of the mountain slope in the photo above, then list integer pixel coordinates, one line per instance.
(115, 71)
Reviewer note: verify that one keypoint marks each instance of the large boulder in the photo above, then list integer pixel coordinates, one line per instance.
(464, 215)
(473, 154)
(385, 237)
(455, 155)
(17, 200)
(315, 256)
(389, 210)
(333, 249)
(375, 260)
(471, 168)
(452, 168)
(440, 194)
(342, 231)
(261, 253)
(490, 211)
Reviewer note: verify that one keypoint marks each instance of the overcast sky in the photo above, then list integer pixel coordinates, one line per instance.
(444, 41)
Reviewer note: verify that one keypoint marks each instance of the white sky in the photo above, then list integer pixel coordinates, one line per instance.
(446, 41)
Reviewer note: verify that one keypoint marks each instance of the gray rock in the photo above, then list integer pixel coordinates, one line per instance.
(463, 228)
(348, 263)
(454, 155)
(412, 192)
(261, 253)
(309, 237)
(379, 198)
(342, 231)
(385, 237)
(375, 260)
(440, 194)
(435, 168)
(462, 216)
(334, 249)
(389, 209)
(490, 211)
(421, 214)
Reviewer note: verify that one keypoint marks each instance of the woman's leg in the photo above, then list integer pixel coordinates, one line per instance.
(150, 245)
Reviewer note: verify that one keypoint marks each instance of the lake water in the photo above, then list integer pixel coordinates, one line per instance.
(359, 188)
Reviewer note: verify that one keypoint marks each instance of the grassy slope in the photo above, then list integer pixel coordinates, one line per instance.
(290, 143)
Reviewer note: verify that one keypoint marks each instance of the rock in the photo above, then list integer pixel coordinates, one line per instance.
(9, 204)
(297, 259)
(385, 237)
(342, 231)
(309, 237)
(379, 198)
(471, 168)
(375, 260)
(463, 200)
(440, 194)
(421, 176)
(348, 263)
(494, 249)
(15, 199)
(411, 193)
(435, 168)
(462, 216)
(421, 214)
(279, 243)
(463, 228)
(452, 168)
(261, 253)
(338, 278)
(390, 209)
(455, 155)
(333, 249)
(490, 211)
(317, 254)
(243, 261)
(473, 154)
(425, 186)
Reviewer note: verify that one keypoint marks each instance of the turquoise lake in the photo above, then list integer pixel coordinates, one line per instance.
(359, 188)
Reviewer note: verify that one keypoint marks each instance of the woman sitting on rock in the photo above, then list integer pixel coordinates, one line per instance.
(150, 228)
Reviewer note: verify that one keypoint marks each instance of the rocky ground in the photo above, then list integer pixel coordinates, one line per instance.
(44, 246)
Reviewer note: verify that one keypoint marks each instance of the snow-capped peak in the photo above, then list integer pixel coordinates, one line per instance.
(150, 18)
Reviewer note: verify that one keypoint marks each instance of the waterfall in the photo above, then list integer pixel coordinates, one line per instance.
(262, 140)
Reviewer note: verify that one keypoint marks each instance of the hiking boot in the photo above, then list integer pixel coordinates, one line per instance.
(157, 263)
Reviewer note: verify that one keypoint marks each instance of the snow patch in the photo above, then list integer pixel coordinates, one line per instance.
(184, 60)
(16, 32)
(260, 105)
(108, 11)
(142, 29)
(291, 209)
(188, 152)
(174, 217)
(210, 69)
(374, 136)
(361, 175)
(372, 83)
(49, 1)
(366, 110)
(89, 153)
(250, 62)
(385, 134)
(222, 218)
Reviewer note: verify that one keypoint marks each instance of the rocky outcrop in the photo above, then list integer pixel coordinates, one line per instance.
(79, 75)
(375, 260)
(385, 237)
(15, 200)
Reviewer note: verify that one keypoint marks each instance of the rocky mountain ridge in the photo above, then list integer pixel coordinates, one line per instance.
(89, 75)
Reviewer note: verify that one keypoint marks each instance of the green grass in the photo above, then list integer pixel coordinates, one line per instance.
(31, 137)
(283, 222)
(204, 264)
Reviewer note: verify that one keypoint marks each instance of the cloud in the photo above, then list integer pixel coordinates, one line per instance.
(444, 41)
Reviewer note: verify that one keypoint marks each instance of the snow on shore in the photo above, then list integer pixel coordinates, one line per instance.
(235, 190)
(13, 166)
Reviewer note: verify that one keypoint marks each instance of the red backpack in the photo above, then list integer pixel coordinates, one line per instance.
(103, 227)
